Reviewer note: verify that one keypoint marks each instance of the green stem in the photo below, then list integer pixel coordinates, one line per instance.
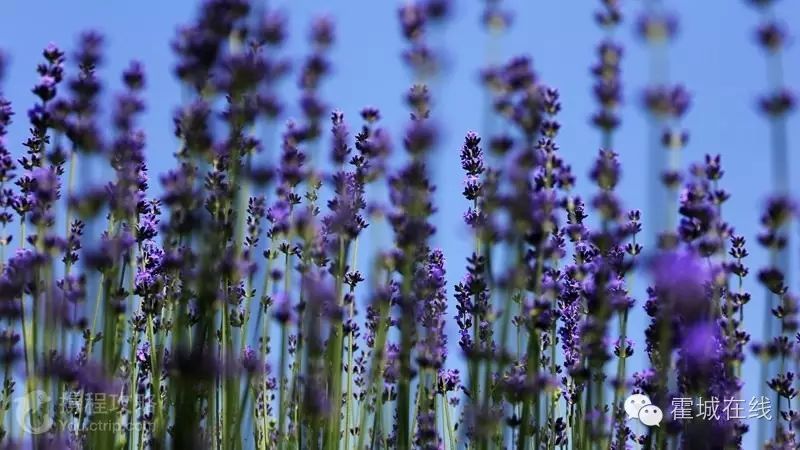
(335, 357)
(448, 424)
(350, 344)
(376, 370)
(619, 389)
(155, 376)
(282, 413)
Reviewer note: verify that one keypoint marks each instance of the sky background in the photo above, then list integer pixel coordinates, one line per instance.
(714, 56)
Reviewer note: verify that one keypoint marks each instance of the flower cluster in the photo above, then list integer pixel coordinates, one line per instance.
(224, 304)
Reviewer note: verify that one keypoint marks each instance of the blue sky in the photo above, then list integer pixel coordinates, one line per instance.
(714, 55)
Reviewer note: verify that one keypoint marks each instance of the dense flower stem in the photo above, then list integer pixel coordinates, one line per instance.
(552, 402)
(283, 400)
(776, 106)
(657, 31)
(335, 354)
(778, 133)
(376, 369)
(532, 366)
(295, 395)
(225, 354)
(156, 378)
(619, 382)
(404, 388)
(664, 365)
(765, 365)
(73, 162)
(350, 345)
(183, 351)
(532, 361)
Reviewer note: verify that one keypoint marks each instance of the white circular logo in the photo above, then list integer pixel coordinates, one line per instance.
(639, 406)
(26, 408)
(651, 415)
(634, 403)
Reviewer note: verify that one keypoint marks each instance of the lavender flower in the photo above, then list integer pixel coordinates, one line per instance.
(162, 302)
(681, 280)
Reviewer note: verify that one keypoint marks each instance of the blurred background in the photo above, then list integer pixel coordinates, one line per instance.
(714, 55)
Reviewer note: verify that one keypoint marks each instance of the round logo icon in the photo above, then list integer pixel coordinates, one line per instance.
(26, 409)
(634, 403)
(651, 415)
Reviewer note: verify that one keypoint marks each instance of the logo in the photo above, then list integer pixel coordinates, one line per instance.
(27, 407)
(639, 406)
(651, 415)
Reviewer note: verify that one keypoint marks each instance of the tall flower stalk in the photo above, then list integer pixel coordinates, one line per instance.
(225, 303)
(665, 104)
(776, 105)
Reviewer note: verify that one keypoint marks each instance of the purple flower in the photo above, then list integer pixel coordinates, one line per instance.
(283, 309)
(199, 46)
(412, 20)
(606, 170)
(45, 184)
(278, 216)
(143, 354)
(771, 36)
(391, 370)
(5, 115)
(472, 297)
(778, 103)
(449, 380)
(570, 308)
(110, 250)
(410, 192)
(610, 15)
(426, 435)
(701, 344)
(761, 3)
(438, 10)
(240, 72)
(46, 88)
(374, 147)
(341, 149)
(657, 26)
(250, 360)
(473, 164)
(495, 17)
(607, 87)
(271, 29)
(669, 101)
(420, 136)
(345, 219)
(292, 170)
(73, 288)
(432, 306)
(90, 47)
(681, 281)
(322, 32)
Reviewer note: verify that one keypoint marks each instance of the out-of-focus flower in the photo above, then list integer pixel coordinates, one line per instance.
(681, 281)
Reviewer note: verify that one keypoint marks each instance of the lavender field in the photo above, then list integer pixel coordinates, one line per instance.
(252, 238)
